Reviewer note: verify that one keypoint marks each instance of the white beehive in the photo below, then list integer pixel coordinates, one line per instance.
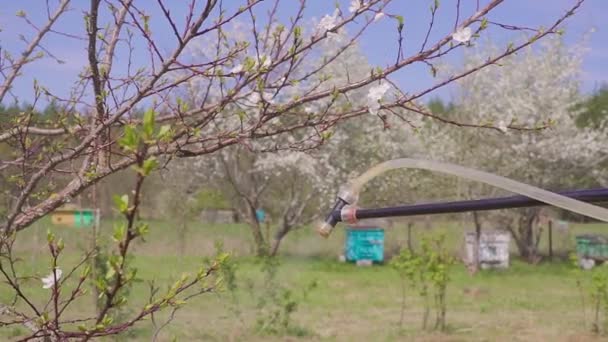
(493, 249)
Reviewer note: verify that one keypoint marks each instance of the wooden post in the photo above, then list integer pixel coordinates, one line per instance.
(550, 223)
(409, 237)
(476, 262)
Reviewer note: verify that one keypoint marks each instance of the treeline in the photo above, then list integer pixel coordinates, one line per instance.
(591, 113)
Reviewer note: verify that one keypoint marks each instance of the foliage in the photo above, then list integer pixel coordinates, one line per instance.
(594, 110)
(593, 287)
(427, 272)
(211, 199)
(276, 303)
(109, 269)
(351, 303)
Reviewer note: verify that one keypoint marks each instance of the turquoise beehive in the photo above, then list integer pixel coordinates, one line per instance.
(364, 243)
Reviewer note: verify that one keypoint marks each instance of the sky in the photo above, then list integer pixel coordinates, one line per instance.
(378, 44)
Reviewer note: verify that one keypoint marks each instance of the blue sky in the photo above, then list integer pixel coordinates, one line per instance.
(378, 44)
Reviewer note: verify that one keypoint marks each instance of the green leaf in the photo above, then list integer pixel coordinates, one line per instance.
(50, 237)
(86, 271)
(241, 114)
(484, 23)
(335, 94)
(131, 275)
(223, 257)
(110, 273)
(130, 139)
(146, 19)
(119, 232)
(297, 31)
(178, 302)
(44, 317)
(249, 63)
(101, 285)
(149, 117)
(142, 229)
(122, 203)
(164, 133)
(107, 320)
(401, 21)
(149, 165)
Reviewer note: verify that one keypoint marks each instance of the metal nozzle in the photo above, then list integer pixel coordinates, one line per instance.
(332, 218)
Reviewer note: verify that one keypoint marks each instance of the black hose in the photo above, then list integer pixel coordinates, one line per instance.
(588, 195)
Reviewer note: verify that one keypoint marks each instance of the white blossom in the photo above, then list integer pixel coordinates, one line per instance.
(268, 97)
(279, 82)
(328, 22)
(462, 35)
(49, 281)
(355, 5)
(266, 61)
(374, 95)
(334, 37)
(321, 170)
(378, 16)
(542, 85)
(254, 98)
(502, 126)
(237, 69)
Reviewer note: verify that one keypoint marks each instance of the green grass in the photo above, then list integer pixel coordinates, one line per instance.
(523, 303)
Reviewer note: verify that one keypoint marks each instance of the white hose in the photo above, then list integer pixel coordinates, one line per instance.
(538, 194)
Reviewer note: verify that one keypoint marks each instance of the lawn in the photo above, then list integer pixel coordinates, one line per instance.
(349, 303)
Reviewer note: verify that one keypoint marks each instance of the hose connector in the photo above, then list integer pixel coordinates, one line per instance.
(348, 214)
(348, 195)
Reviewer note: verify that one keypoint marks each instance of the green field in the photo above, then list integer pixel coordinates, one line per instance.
(523, 303)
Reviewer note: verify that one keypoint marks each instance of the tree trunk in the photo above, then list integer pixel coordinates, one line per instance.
(261, 246)
(525, 236)
(278, 237)
(258, 238)
(274, 249)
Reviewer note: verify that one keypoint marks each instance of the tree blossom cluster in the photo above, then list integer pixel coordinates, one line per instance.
(539, 87)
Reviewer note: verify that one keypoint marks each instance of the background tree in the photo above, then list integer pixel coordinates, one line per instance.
(541, 87)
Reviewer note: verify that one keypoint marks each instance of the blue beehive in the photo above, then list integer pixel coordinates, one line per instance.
(364, 243)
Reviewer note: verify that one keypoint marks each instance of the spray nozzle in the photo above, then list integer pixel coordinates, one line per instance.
(332, 218)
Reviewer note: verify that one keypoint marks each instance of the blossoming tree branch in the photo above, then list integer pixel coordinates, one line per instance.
(263, 83)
